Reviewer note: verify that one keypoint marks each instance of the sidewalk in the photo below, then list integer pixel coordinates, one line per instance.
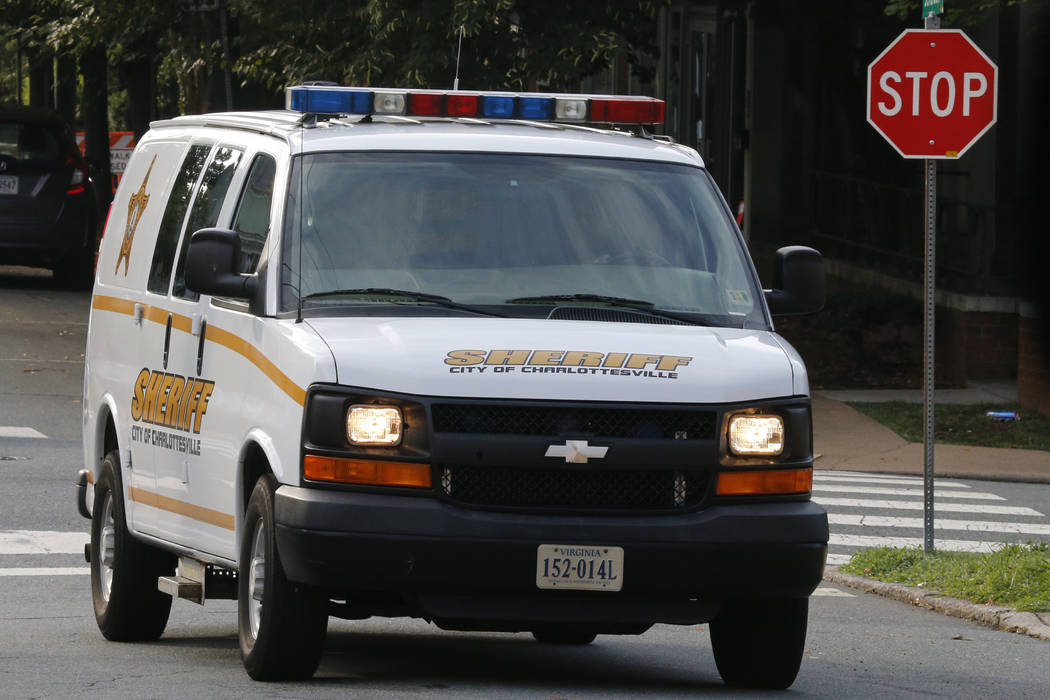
(846, 439)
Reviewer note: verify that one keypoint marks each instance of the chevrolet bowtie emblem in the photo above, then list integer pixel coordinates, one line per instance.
(576, 451)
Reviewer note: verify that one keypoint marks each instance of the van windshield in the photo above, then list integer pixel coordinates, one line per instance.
(512, 235)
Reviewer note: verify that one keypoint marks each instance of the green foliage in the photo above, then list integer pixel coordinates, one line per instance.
(962, 424)
(413, 43)
(513, 44)
(1016, 576)
(958, 14)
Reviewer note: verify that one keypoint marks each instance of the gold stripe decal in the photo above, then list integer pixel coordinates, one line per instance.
(172, 505)
(253, 355)
(215, 334)
(120, 306)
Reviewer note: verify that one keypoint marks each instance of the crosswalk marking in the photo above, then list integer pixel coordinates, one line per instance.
(939, 524)
(917, 505)
(14, 431)
(944, 545)
(881, 491)
(42, 542)
(46, 571)
(854, 501)
(901, 480)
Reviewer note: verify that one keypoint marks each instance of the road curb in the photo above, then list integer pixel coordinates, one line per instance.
(1006, 619)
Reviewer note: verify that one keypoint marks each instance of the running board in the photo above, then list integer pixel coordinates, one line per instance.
(195, 581)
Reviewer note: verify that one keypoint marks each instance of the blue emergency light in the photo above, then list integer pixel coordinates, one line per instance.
(315, 99)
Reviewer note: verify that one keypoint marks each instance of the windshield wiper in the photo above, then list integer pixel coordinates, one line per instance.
(405, 293)
(635, 304)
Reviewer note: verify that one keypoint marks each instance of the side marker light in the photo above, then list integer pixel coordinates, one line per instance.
(769, 482)
(364, 471)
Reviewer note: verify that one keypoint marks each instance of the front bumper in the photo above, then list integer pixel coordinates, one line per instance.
(457, 563)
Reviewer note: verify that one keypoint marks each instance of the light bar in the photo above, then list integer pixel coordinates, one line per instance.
(619, 109)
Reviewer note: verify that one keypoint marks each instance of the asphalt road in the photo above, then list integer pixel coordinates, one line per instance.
(859, 645)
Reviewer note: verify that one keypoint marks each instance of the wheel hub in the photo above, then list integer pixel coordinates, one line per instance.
(257, 580)
(107, 548)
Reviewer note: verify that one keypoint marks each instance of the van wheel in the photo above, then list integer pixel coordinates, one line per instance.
(759, 643)
(282, 625)
(563, 634)
(124, 571)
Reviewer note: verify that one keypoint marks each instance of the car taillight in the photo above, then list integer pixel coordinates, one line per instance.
(78, 182)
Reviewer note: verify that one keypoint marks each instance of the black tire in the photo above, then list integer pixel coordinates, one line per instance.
(282, 628)
(563, 634)
(124, 571)
(759, 643)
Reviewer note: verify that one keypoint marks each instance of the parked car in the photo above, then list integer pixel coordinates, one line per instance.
(48, 212)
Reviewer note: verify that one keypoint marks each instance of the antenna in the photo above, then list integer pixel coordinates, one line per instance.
(299, 274)
(455, 81)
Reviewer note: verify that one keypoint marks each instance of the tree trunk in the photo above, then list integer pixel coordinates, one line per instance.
(95, 108)
(41, 77)
(137, 76)
(66, 87)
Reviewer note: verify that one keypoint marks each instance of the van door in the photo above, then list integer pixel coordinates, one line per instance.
(196, 443)
(125, 343)
(232, 352)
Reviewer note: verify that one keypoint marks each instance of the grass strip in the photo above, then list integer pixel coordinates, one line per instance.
(962, 424)
(1016, 576)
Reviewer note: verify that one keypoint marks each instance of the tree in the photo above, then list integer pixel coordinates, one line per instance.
(509, 44)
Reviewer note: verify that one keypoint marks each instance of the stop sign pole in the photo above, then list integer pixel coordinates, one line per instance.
(931, 94)
(929, 369)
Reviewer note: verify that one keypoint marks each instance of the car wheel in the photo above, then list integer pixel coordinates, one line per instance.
(563, 634)
(759, 643)
(124, 571)
(281, 624)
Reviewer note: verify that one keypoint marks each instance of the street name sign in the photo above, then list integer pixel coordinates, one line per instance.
(932, 7)
(932, 93)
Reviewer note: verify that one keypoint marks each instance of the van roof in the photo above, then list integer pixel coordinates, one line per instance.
(380, 133)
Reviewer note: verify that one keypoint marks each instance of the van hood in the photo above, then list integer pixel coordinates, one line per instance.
(561, 360)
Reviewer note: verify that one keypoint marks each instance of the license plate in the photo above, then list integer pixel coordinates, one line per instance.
(579, 567)
(8, 184)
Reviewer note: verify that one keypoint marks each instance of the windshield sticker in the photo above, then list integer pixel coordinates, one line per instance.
(739, 297)
(171, 401)
(136, 206)
(618, 364)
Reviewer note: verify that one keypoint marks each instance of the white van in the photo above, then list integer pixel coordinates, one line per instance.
(499, 361)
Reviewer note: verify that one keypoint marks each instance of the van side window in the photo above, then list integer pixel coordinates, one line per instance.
(174, 215)
(206, 207)
(252, 220)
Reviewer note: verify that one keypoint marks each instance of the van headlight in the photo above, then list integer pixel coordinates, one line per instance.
(756, 435)
(373, 425)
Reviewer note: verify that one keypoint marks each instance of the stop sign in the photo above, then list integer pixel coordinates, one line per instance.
(932, 93)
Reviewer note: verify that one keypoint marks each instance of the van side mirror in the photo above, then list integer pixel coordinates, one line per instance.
(798, 282)
(211, 265)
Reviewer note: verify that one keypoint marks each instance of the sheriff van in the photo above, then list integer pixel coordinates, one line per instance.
(498, 361)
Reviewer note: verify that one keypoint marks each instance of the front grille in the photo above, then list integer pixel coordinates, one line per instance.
(574, 489)
(498, 419)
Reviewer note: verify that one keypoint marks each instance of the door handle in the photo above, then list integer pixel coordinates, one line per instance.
(167, 341)
(200, 346)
